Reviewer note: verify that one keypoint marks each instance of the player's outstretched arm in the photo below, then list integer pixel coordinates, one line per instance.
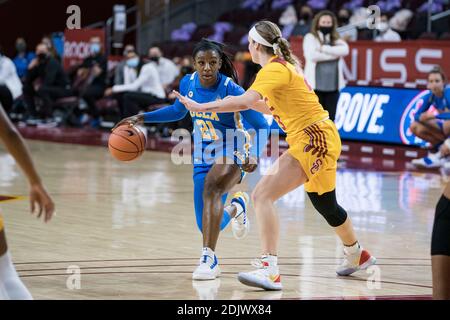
(40, 201)
(170, 113)
(231, 104)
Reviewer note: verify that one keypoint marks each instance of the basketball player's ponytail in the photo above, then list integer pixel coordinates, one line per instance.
(283, 50)
(227, 64)
(272, 34)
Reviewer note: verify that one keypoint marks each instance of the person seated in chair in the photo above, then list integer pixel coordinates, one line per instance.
(93, 73)
(145, 90)
(47, 80)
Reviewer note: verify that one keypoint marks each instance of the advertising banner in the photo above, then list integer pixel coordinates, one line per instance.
(378, 114)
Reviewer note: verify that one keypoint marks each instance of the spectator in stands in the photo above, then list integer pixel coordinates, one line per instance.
(400, 21)
(130, 72)
(10, 85)
(45, 79)
(146, 90)
(324, 50)
(177, 61)
(93, 71)
(47, 39)
(167, 70)
(288, 20)
(349, 32)
(303, 25)
(23, 58)
(385, 31)
(427, 124)
(186, 66)
(119, 75)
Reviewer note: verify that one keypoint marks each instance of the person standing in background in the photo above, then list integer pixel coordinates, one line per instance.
(324, 50)
(23, 58)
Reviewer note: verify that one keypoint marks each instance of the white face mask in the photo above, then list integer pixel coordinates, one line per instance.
(383, 26)
(133, 62)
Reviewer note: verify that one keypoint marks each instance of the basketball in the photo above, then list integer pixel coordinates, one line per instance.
(127, 143)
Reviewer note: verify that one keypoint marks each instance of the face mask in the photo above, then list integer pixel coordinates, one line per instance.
(95, 48)
(21, 47)
(305, 16)
(42, 56)
(343, 20)
(325, 30)
(133, 62)
(383, 26)
(186, 70)
(154, 59)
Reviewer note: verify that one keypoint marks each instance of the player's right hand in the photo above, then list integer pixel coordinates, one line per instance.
(131, 121)
(40, 202)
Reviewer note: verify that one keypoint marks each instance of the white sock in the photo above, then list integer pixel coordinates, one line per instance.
(271, 261)
(10, 283)
(239, 208)
(208, 252)
(352, 249)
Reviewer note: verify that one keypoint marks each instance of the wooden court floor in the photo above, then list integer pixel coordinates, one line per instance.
(127, 231)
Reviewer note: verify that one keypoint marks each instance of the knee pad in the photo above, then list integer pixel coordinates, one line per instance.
(328, 207)
(440, 239)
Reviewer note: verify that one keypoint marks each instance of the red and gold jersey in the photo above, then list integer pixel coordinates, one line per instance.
(292, 101)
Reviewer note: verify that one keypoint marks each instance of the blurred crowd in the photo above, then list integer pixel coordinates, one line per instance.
(35, 90)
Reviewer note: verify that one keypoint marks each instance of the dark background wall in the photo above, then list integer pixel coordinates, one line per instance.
(32, 19)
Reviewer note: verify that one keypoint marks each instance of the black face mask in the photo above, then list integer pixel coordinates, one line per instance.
(343, 20)
(325, 30)
(42, 56)
(154, 59)
(186, 70)
(305, 16)
(21, 47)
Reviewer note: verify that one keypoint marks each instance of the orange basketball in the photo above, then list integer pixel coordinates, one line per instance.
(127, 143)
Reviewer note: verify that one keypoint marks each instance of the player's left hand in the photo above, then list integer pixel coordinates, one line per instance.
(41, 203)
(190, 104)
(250, 165)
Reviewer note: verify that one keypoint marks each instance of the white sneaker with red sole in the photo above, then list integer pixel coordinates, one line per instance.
(360, 260)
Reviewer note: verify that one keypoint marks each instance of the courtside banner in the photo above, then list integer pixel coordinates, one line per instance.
(394, 62)
(378, 114)
(76, 45)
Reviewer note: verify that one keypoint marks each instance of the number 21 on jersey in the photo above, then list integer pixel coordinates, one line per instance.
(207, 129)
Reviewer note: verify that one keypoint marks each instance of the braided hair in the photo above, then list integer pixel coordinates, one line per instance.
(272, 34)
